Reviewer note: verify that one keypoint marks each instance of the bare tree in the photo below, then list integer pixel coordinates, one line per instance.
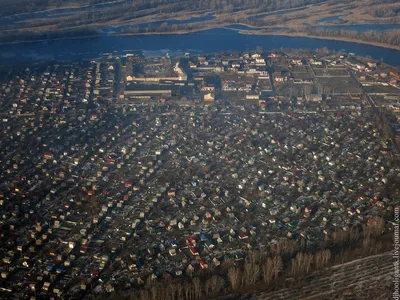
(354, 234)
(321, 258)
(197, 287)
(271, 268)
(155, 291)
(251, 269)
(277, 266)
(149, 282)
(214, 285)
(179, 291)
(301, 264)
(144, 295)
(234, 277)
(285, 246)
(188, 290)
(170, 291)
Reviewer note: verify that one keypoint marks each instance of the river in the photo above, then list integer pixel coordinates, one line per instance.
(207, 41)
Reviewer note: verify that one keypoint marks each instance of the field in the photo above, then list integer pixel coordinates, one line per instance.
(340, 85)
(331, 72)
(382, 89)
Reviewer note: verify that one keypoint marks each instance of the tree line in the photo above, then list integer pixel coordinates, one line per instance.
(383, 11)
(30, 36)
(385, 37)
(391, 37)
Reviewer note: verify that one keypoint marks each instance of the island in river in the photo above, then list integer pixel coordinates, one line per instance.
(366, 21)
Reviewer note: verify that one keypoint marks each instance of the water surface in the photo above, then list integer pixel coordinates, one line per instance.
(207, 41)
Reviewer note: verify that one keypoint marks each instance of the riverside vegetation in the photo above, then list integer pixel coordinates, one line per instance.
(90, 16)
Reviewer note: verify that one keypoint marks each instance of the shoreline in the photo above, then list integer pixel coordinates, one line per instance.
(241, 31)
(300, 34)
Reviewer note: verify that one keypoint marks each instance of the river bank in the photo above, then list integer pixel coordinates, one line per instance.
(304, 34)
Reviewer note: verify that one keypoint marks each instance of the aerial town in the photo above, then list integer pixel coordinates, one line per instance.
(127, 170)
